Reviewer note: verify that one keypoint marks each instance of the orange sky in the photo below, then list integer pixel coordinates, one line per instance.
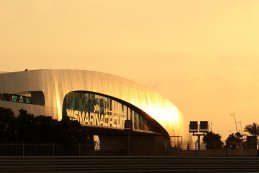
(202, 55)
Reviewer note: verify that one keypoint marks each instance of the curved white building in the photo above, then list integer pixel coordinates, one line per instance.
(94, 99)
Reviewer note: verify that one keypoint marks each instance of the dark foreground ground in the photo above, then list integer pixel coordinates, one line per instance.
(128, 164)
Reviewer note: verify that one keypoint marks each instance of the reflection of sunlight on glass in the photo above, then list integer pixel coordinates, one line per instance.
(168, 116)
(163, 111)
(59, 107)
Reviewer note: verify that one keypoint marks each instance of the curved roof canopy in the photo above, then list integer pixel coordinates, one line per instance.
(55, 84)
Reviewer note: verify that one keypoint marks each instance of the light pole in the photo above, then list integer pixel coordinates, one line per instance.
(234, 120)
(241, 129)
(198, 130)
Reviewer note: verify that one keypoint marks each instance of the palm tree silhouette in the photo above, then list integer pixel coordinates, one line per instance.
(252, 129)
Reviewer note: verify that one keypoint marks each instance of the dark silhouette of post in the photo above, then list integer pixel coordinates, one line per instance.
(198, 130)
(128, 129)
(199, 143)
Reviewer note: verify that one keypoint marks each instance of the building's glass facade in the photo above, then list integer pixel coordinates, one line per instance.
(93, 109)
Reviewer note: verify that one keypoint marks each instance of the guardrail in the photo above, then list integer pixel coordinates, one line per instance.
(100, 164)
(22, 149)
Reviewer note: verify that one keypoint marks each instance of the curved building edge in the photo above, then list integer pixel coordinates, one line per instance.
(56, 84)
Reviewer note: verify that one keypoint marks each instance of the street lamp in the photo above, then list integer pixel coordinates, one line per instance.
(234, 120)
(241, 129)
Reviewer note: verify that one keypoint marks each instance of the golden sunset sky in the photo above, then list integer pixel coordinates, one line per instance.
(203, 55)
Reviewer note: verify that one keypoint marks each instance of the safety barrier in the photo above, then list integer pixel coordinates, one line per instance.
(22, 149)
(63, 164)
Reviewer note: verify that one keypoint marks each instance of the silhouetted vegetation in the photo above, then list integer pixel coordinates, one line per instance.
(252, 129)
(234, 141)
(213, 141)
(28, 128)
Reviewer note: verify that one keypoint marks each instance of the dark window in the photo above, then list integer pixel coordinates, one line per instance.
(29, 97)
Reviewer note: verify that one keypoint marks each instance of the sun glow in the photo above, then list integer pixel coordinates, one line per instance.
(160, 109)
(168, 116)
(155, 105)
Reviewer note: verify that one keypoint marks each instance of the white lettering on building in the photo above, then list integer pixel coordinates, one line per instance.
(114, 120)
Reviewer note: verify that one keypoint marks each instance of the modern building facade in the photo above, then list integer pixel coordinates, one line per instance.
(101, 102)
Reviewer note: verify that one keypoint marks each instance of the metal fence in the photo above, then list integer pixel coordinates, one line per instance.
(23, 149)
